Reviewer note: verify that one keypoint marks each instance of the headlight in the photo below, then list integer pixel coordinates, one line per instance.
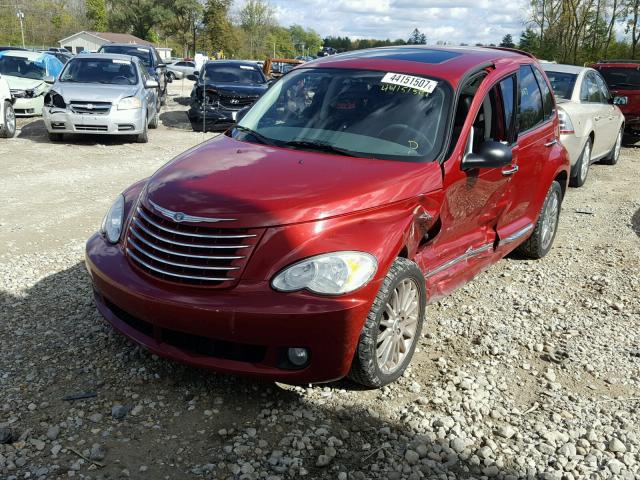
(112, 223)
(129, 103)
(329, 273)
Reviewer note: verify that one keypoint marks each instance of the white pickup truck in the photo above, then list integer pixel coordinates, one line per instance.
(7, 115)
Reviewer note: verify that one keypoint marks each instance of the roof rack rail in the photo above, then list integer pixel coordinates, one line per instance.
(618, 60)
(514, 50)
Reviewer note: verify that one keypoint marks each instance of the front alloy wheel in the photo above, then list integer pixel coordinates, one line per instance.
(8, 129)
(392, 329)
(541, 240)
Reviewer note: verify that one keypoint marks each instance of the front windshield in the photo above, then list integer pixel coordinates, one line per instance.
(562, 83)
(618, 77)
(144, 54)
(21, 67)
(354, 112)
(105, 71)
(240, 74)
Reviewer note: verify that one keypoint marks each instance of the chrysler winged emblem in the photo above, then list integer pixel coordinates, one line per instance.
(183, 217)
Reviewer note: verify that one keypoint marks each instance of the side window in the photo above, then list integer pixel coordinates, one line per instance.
(180, 64)
(508, 95)
(143, 73)
(493, 121)
(547, 96)
(590, 92)
(531, 112)
(602, 86)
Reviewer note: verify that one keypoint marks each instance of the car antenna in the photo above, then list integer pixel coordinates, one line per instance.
(204, 100)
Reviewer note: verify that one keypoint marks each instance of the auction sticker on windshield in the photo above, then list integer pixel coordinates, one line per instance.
(417, 83)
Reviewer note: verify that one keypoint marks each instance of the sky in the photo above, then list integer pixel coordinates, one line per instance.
(456, 21)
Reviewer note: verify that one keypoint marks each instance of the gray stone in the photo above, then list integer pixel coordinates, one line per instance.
(616, 446)
(53, 432)
(411, 457)
(119, 411)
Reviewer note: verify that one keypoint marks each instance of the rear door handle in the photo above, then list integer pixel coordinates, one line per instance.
(510, 170)
(551, 143)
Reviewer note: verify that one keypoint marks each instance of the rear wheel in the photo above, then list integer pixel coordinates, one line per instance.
(163, 97)
(392, 329)
(614, 155)
(155, 120)
(581, 169)
(541, 240)
(170, 76)
(8, 129)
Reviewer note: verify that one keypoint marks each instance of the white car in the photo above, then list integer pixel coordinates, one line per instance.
(591, 125)
(7, 115)
(181, 69)
(25, 73)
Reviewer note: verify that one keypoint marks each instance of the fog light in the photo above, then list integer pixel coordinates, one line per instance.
(298, 356)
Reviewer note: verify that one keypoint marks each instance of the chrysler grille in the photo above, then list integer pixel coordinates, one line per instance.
(186, 253)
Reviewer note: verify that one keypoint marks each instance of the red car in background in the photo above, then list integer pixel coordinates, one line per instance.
(623, 80)
(304, 244)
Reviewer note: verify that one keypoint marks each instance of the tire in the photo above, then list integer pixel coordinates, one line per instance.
(366, 368)
(614, 154)
(541, 240)
(163, 98)
(8, 129)
(155, 120)
(143, 137)
(581, 169)
(170, 76)
(55, 137)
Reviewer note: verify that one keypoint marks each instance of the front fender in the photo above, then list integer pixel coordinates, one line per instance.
(384, 232)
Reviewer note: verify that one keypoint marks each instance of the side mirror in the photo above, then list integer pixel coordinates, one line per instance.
(49, 79)
(192, 77)
(620, 100)
(151, 84)
(241, 113)
(491, 154)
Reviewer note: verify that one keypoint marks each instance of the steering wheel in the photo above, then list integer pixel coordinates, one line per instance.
(405, 135)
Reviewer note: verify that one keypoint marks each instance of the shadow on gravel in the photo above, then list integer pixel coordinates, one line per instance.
(176, 119)
(185, 101)
(635, 222)
(55, 344)
(33, 129)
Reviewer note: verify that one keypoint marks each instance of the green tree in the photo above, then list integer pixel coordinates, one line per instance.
(417, 38)
(97, 15)
(142, 18)
(182, 22)
(507, 41)
(256, 18)
(306, 41)
(528, 41)
(219, 32)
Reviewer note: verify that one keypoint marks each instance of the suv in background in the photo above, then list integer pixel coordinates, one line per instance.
(623, 80)
(149, 57)
(304, 244)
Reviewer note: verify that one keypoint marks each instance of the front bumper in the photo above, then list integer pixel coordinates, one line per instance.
(116, 122)
(244, 330)
(211, 118)
(28, 107)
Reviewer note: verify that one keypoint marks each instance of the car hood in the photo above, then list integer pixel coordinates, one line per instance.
(19, 83)
(94, 92)
(236, 90)
(262, 186)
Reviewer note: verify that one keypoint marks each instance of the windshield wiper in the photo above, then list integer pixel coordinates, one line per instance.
(321, 147)
(261, 138)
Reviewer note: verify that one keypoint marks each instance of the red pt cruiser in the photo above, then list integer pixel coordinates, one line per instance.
(304, 244)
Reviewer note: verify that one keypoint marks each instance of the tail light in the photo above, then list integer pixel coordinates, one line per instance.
(565, 125)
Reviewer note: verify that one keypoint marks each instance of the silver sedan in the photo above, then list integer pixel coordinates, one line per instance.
(105, 94)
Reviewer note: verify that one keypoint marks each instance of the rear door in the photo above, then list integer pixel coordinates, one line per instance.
(591, 97)
(536, 134)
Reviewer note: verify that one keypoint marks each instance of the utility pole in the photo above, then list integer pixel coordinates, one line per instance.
(20, 15)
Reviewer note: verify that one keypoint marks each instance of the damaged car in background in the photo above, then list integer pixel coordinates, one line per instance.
(25, 72)
(222, 88)
(106, 94)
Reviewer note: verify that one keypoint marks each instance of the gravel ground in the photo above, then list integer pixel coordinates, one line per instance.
(530, 371)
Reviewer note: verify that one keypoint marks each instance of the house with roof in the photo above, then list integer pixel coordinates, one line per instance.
(86, 41)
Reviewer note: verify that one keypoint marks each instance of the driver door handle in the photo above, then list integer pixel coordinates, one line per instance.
(510, 170)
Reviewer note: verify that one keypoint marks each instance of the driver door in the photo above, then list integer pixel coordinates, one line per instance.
(474, 199)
